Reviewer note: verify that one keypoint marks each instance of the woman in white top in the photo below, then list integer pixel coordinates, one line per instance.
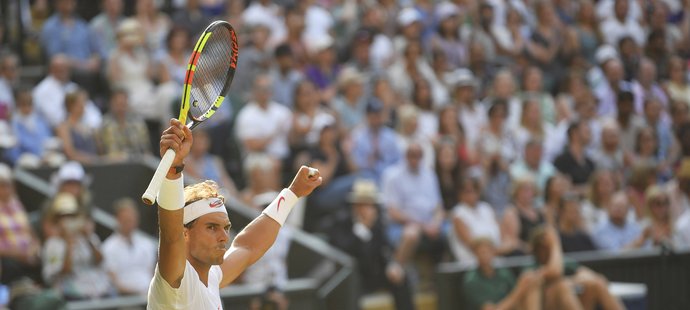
(602, 187)
(473, 219)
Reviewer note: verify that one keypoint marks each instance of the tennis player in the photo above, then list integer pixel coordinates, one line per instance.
(193, 260)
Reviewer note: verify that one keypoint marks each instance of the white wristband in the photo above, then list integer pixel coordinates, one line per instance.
(280, 208)
(171, 195)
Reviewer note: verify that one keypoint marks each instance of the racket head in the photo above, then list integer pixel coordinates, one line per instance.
(210, 71)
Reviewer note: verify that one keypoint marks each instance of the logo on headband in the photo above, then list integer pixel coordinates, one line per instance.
(215, 203)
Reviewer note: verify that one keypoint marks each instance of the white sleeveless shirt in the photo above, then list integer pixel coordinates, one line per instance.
(192, 293)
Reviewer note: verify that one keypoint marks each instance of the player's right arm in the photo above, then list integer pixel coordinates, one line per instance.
(172, 252)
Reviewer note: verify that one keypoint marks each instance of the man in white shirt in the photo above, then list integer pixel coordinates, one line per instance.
(263, 125)
(620, 25)
(129, 255)
(49, 95)
(194, 231)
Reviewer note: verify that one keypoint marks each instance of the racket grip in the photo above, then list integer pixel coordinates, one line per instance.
(149, 196)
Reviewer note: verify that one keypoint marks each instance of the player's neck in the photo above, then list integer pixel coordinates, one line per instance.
(201, 269)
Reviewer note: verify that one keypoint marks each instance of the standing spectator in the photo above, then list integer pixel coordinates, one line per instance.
(19, 248)
(574, 162)
(205, 166)
(275, 119)
(154, 25)
(104, 26)
(131, 68)
(32, 130)
(124, 134)
(362, 234)
(619, 231)
(571, 227)
(71, 259)
(129, 255)
(49, 94)
(533, 165)
(9, 76)
(285, 76)
(67, 34)
(79, 142)
(374, 146)
(413, 204)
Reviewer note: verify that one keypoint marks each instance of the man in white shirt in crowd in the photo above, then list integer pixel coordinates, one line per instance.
(620, 25)
(194, 260)
(129, 255)
(263, 125)
(414, 206)
(49, 95)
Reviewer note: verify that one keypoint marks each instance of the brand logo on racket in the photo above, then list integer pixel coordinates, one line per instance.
(215, 204)
(235, 50)
(281, 199)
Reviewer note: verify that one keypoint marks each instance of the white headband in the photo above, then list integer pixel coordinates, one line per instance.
(202, 207)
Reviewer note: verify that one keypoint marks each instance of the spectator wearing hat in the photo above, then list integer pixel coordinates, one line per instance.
(19, 247)
(72, 258)
(472, 114)
(129, 255)
(275, 119)
(350, 103)
(571, 225)
(374, 146)
(410, 28)
(285, 76)
(362, 234)
(70, 178)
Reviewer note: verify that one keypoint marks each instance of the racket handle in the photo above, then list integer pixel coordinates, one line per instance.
(151, 192)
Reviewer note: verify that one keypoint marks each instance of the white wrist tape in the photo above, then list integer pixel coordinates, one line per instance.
(171, 195)
(280, 208)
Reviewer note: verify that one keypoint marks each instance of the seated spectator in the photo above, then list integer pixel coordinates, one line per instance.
(362, 234)
(640, 179)
(79, 142)
(155, 24)
(173, 60)
(619, 230)
(131, 68)
(571, 227)
(323, 69)
(678, 87)
(19, 247)
(534, 90)
(374, 146)
(556, 186)
(307, 118)
(413, 204)
(272, 136)
(646, 149)
(129, 255)
(487, 287)
(530, 126)
(66, 33)
(471, 113)
(428, 116)
(50, 93)
(9, 77)
(262, 174)
(409, 132)
(473, 219)
(448, 171)
(660, 229)
(591, 288)
(104, 25)
(206, 166)
(32, 130)
(532, 165)
(72, 258)
(285, 76)
(522, 217)
(609, 155)
(124, 134)
(682, 228)
(497, 140)
(602, 187)
(350, 102)
(678, 189)
(574, 162)
(70, 178)
(628, 122)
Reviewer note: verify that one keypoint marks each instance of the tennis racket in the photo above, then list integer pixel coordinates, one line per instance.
(209, 75)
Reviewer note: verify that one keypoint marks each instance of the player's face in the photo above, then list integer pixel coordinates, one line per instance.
(208, 238)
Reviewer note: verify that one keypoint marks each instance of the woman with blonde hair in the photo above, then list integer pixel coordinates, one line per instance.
(523, 216)
(603, 185)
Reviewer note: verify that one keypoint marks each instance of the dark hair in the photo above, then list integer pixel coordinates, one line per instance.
(175, 30)
(283, 50)
(574, 126)
(498, 104)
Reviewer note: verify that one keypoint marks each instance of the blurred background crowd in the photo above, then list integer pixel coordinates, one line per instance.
(438, 127)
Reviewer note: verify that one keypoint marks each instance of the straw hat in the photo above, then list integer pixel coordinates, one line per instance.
(364, 191)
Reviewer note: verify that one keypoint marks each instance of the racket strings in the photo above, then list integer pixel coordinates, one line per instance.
(211, 72)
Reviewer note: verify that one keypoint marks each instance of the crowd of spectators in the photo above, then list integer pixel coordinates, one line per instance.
(459, 129)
